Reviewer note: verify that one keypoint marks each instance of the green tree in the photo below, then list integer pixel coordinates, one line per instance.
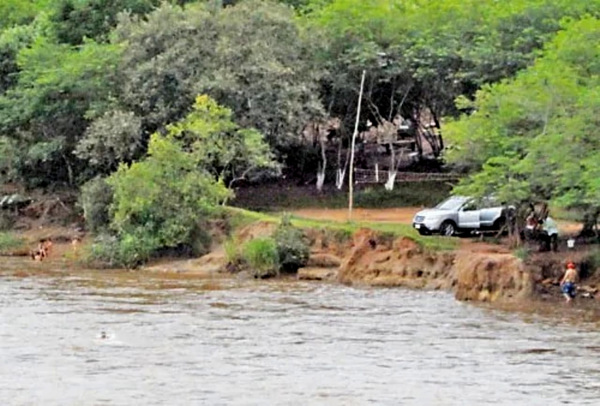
(533, 138)
(47, 111)
(432, 52)
(164, 199)
(75, 20)
(226, 150)
(164, 56)
(112, 138)
(18, 12)
(249, 57)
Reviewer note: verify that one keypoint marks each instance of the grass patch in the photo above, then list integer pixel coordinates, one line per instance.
(10, 243)
(244, 217)
(522, 253)
(262, 257)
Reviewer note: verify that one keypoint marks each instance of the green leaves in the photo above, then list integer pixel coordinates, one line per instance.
(219, 145)
(115, 137)
(164, 198)
(534, 137)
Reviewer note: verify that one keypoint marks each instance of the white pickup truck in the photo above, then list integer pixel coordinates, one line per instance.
(460, 214)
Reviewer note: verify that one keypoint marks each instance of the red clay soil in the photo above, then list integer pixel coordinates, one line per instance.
(402, 215)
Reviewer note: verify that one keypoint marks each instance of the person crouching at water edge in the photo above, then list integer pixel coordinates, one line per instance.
(42, 251)
(567, 284)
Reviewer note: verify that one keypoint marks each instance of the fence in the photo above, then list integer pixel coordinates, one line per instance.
(381, 176)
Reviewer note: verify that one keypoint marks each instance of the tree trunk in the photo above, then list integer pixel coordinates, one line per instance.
(340, 173)
(322, 165)
(439, 129)
(389, 184)
(69, 170)
(590, 227)
(354, 134)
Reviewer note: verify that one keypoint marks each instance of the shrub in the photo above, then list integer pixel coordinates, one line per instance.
(292, 249)
(9, 242)
(164, 197)
(262, 257)
(95, 199)
(232, 251)
(112, 252)
(522, 253)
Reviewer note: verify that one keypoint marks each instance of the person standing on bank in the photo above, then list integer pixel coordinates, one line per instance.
(567, 283)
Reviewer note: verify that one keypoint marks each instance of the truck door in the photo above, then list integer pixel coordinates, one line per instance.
(468, 216)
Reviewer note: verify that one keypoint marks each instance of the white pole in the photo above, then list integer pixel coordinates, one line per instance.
(351, 174)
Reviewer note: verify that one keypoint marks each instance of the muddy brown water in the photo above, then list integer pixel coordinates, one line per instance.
(176, 340)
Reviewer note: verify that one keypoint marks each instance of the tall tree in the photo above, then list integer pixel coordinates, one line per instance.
(534, 138)
(432, 51)
(58, 88)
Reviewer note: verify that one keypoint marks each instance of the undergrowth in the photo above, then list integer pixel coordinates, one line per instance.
(10, 242)
(241, 217)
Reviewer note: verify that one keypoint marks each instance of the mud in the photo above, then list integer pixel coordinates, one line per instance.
(475, 271)
(479, 276)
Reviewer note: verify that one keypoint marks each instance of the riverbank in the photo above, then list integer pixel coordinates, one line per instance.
(377, 253)
(386, 254)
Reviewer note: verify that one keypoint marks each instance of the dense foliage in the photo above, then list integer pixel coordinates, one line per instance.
(534, 137)
(261, 256)
(164, 200)
(90, 87)
(84, 83)
(292, 248)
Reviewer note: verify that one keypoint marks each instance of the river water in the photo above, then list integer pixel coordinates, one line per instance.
(176, 340)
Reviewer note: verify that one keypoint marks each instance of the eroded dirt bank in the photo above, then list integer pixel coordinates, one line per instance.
(369, 258)
(474, 271)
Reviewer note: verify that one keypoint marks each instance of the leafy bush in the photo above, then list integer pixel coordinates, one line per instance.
(110, 139)
(292, 249)
(262, 257)
(163, 198)
(95, 199)
(232, 252)
(9, 242)
(522, 253)
(111, 252)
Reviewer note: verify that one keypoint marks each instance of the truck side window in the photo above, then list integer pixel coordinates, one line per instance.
(469, 206)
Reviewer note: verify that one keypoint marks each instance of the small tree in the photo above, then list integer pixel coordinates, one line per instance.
(162, 199)
(227, 151)
(532, 138)
(292, 248)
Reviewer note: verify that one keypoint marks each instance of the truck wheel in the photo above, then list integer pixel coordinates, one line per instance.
(448, 228)
(499, 223)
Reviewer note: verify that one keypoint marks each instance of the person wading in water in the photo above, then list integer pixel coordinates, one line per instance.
(567, 284)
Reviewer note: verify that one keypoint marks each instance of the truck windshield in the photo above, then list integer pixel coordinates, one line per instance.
(452, 203)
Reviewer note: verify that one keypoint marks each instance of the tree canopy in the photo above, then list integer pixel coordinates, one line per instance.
(85, 83)
(534, 137)
(163, 199)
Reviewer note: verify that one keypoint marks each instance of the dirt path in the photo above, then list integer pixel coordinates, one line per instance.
(402, 215)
